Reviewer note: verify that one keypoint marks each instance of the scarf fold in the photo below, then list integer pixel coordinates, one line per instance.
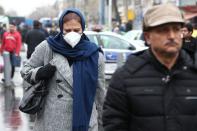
(85, 75)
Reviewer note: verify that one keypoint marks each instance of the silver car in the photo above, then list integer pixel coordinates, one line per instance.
(116, 49)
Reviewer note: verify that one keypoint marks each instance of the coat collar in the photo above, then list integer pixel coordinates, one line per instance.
(183, 60)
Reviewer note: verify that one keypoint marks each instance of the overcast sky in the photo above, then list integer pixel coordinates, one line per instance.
(24, 7)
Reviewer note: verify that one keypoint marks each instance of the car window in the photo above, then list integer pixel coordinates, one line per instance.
(111, 42)
(133, 35)
(93, 38)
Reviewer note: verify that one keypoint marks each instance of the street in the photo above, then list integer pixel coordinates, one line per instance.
(11, 119)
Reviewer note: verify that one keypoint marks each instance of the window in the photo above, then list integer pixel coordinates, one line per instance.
(111, 42)
(93, 38)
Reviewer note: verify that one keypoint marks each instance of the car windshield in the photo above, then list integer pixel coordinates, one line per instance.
(133, 35)
(111, 42)
(93, 38)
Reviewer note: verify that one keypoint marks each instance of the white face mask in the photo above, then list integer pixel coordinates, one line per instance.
(72, 38)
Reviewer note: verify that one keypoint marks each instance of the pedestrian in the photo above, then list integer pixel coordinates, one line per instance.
(189, 42)
(75, 78)
(11, 43)
(43, 28)
(129, 26)
(54, 31)
(155, 90)
(33, 38)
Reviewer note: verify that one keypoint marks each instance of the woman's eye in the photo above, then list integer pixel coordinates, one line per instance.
(76, 30)
(67, 31)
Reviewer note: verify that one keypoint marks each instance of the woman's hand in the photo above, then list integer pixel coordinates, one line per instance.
(45, 72)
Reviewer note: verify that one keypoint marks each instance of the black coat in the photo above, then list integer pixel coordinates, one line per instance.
(33, 38)
(190, 46)
(144, 95)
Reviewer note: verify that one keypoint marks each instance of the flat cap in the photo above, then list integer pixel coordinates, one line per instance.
(162, 14)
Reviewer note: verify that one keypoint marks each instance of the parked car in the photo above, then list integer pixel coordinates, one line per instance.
(4, 20)
(46, 22)
(135, 35)
(116, 49)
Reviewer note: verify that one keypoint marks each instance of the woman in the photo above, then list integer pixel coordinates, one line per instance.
(74, 69)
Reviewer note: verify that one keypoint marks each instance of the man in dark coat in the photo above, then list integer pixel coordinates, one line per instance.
(189, 42)
(33, 38)
(155, 90)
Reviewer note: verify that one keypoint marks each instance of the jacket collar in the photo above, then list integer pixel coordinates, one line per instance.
(183, 60)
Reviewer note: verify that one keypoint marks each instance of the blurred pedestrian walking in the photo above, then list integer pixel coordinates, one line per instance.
(189, 42)
(129, 26)
(11, 43)
(155, 90)
(43, 29)
(33, 38)
(74, 69)
(54, 31)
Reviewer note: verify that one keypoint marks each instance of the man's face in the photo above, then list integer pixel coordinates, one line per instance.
(12, 28)
(186, 32)
(165, 39)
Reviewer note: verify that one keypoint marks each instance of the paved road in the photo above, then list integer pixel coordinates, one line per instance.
(11, 119)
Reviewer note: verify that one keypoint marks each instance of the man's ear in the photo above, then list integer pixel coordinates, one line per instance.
(191, 32)
(146, 37)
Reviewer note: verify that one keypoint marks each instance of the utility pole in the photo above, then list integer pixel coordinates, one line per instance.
(73, 3)
(110, 15)
(137, 23)
(85, 5)
(126, 9)
(102, 12)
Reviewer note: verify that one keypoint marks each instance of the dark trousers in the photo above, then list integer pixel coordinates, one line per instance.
(12, 67)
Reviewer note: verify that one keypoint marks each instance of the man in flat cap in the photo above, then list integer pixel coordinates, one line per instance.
(155, 90)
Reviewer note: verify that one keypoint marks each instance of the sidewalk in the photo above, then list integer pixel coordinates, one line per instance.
(11, 119)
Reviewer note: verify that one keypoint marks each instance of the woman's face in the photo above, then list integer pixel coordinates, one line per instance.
(72, 26)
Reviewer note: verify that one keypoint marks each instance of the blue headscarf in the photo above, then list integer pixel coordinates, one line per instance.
(85, 72)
